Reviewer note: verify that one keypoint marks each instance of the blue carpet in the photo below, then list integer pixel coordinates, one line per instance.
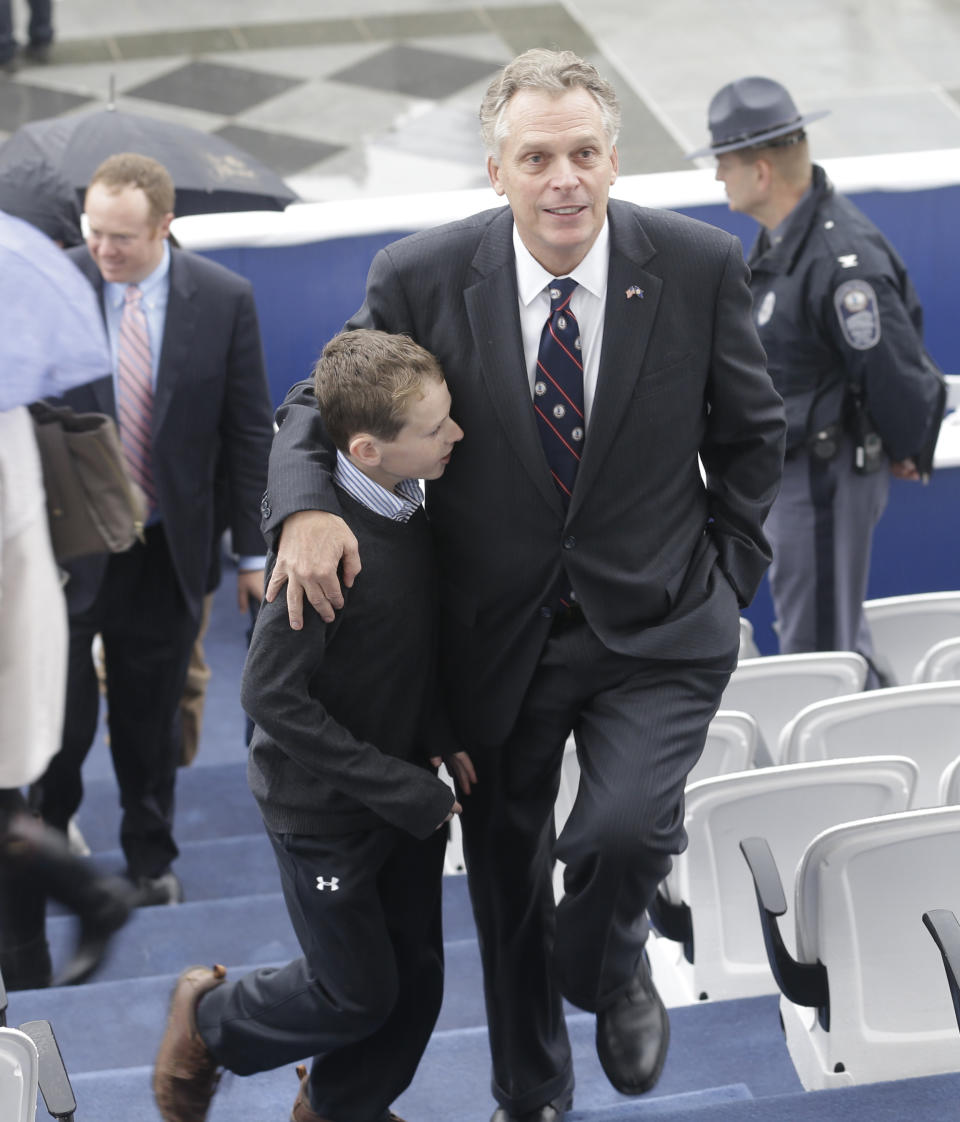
(934, 1098)
(450, 1085)
(213, 801)
(727, 1060)
(217, 869)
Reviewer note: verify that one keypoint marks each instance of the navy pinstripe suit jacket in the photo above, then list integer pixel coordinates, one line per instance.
(659, 555)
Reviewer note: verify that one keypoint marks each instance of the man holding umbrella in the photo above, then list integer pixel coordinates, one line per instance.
(188, 389)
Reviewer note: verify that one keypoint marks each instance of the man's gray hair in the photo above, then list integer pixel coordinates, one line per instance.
(552, 72)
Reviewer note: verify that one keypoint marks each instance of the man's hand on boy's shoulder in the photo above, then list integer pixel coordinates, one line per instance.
(312, 544)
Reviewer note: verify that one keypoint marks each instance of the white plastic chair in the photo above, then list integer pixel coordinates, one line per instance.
(731, 745)
(567, 793)
(922, 722)
(941, 663)
(569, 784)
(863, 1000)
(950, 784)
(904, 628)
(453, 860)
(775, 688)
(748, 644)
(788, 806)
(19, 1076)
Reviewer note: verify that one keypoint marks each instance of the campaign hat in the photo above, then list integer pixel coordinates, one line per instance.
(748, 113)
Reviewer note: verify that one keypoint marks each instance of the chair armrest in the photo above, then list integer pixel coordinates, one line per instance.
(945, 929)
(54, 1082)
(803, 983)
(766, 877)
(672, 921)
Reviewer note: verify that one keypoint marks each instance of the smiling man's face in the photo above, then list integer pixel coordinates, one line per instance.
(555, 166)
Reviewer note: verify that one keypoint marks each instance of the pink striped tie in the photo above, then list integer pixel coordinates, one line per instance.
(135, 392)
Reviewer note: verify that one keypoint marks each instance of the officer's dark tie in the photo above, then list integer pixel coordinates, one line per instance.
(558, 389)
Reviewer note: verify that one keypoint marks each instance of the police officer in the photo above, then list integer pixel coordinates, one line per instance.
(841, 325)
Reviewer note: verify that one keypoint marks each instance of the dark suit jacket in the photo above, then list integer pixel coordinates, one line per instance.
(211, 402)
(658, 559)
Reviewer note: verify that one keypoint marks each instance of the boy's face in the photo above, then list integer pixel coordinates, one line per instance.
(422, 448)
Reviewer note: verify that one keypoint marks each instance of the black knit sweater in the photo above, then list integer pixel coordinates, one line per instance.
(346, 712)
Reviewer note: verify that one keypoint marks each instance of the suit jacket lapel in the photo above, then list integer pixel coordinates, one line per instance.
(492, 310)
(179, 333)
(627, 324)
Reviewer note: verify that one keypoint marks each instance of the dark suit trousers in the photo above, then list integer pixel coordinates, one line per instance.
(640, 726)
(147, 634)
(366, 994)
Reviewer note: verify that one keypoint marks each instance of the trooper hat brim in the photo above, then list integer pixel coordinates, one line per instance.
(753, 140)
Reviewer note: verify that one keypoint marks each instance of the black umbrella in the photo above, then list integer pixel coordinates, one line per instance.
(39, 194)
(210, 174)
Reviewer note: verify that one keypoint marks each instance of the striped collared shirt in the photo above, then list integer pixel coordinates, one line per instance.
(399, 506)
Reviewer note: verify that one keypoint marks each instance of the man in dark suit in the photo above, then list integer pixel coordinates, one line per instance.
(597, 593)
(188, 389)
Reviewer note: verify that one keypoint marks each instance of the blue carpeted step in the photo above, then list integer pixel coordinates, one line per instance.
(124, 1095)
(118, 1096)
(253, 928)
(933, 1098)
(213, 801)
(119, 1025)
(648, 1109)
(130, 1012)
(241, 865)
(164, 940)
(214, 868)
(453, 1081)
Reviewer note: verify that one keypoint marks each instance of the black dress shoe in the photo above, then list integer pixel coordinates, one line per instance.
(547, 1113)
(153, 892)
(632, 1035)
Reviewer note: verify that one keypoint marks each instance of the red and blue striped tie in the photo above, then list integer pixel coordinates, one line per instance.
(558, 389)
(135, 393)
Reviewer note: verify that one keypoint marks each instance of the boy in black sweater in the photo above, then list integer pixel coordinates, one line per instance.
(347, 722)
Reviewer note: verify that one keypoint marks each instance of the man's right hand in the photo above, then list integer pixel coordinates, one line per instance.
(312, 543)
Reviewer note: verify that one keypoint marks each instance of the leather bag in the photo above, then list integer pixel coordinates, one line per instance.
(92, 503)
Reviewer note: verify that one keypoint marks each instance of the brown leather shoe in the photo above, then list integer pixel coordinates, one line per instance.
(185, 1074)
(303, 1111)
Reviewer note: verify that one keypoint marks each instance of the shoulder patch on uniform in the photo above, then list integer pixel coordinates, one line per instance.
(765, 311)
(859, 314)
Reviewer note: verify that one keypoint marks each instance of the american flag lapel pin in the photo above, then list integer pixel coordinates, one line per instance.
(634, 290)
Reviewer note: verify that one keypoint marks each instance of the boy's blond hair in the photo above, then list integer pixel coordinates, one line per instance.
(364, 380)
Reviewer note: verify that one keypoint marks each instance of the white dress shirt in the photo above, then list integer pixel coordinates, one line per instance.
(587, 304)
